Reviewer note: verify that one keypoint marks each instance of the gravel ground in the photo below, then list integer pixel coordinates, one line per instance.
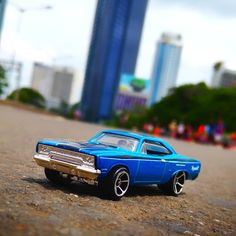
(30, 205)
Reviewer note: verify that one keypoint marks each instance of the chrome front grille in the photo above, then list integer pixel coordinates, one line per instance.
(68, 156)
(65, 158)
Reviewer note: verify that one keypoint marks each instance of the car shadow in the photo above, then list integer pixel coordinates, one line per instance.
(85, 189)
(149, 190)
(75, 187)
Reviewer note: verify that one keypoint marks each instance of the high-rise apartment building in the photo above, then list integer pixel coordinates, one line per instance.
(57, 84)
(223, 77)
(113, 51)
(166, 66)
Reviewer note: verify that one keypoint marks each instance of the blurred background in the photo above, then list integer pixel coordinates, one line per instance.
(161, 67)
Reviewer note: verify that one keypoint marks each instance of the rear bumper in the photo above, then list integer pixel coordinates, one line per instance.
(67, 168)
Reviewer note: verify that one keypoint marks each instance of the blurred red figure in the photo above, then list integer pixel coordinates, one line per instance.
(233, 136)
(201, 129)
(200, 135)
(157, 130)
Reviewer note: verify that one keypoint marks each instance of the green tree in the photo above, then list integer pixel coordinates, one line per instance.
(28, 96)
(192, 104)
(218, 65)
(3, 80)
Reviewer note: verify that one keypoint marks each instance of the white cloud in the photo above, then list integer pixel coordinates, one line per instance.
(60, 35)
(14, 46)
(207, 38)
(64, 32)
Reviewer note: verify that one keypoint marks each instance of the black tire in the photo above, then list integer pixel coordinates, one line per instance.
(55, 177)
(116, 184)
(175, 186)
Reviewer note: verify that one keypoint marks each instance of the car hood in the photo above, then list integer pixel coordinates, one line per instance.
(86, 147)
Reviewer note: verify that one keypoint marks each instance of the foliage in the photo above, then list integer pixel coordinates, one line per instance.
(66, 110)
(192, 104)
(218, 65)
(3, 80)
(28, 96)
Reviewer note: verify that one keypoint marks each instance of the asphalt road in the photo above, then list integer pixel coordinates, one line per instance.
(30, 205)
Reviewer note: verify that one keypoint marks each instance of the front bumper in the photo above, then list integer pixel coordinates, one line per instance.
(67, 168)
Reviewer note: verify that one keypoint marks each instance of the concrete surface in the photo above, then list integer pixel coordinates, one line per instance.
(30, 205)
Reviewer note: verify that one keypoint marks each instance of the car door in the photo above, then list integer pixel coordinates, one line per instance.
(152, 162)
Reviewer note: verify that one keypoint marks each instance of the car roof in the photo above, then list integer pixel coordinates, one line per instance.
(135, 135)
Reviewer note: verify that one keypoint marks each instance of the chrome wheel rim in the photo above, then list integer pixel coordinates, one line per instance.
(121, 183)
(179, 182)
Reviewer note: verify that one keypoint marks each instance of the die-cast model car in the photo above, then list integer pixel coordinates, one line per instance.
(116, 160)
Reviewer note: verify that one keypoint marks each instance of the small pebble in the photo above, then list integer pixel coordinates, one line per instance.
(188, 232)
(216, 220)
(74, 195)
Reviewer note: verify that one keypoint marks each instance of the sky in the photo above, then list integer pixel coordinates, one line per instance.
(61, 36)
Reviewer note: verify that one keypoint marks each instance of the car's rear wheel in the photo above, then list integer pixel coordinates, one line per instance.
(175, 185)
(116, 184)
(56, 177)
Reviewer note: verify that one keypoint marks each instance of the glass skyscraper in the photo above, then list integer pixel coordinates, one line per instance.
(2, 9)
(166, 66)
(113, 51)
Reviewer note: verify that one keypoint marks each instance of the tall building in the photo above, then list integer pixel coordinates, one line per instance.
(166, 66)
(2, 10)
(113, 51)
(223, 77)
(57, 84)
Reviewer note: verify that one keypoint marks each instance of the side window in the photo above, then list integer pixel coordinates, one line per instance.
(156, 149)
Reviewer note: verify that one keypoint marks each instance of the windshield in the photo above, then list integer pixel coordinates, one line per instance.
(116, 140)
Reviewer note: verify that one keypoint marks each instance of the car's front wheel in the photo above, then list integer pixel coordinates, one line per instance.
(175, 185)
(116, 184)
(56, 177)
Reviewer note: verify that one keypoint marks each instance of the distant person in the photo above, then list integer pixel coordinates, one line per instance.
(150, 128)
(219, 131)
(201, 134)
(180, 130)
(157, 130)
(188, 132)
(211, 130)
(77, 115)
(173, 128)
(145, 127)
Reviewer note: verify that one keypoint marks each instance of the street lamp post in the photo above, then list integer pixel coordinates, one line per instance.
(21, 12)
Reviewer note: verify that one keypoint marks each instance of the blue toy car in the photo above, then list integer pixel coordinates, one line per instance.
(116, 160)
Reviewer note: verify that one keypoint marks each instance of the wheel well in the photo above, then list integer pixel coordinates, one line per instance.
(186, 173)
(117, 167)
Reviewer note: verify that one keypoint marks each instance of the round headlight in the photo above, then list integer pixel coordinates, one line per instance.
(43, 149)
(88, 160)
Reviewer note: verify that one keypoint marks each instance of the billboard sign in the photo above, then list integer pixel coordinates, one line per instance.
(133, 91)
